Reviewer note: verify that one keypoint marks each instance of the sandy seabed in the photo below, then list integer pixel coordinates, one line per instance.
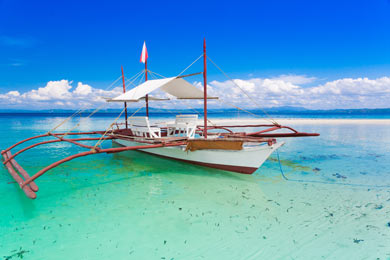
(335, 205)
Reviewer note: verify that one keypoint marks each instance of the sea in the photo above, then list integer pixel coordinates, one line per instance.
(325, 197)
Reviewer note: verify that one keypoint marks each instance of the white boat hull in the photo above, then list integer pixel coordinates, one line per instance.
(247, 160)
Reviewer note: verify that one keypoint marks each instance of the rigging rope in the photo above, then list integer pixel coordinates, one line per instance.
(112, 84)
(186, 104)
(111, 126)
(141, 79)
(325, 182)
(239, 108)
(134, 78)
(223, 101)
(65, 120)
(157, 74)
(183, 70)
(182, 101)
(83, 118)
(80, 111)
(272, 120)
(253, 114)
(190, 65)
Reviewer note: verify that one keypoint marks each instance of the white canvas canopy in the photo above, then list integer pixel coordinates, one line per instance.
(174, 86)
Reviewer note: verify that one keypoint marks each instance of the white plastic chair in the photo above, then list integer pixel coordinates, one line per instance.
(185, 125)
(140, 126)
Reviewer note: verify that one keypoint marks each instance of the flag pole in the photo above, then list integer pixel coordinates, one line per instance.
(147, 96)
(204, 89)
(124, 91)
(144, 59)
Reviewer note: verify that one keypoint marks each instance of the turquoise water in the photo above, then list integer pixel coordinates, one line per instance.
(135, 206)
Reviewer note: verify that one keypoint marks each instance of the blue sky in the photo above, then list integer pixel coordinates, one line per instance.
(88, 41)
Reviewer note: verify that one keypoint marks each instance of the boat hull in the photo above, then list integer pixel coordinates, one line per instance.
(244, 161)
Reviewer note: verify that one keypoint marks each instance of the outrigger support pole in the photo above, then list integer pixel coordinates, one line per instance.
(47, 134)
(20, 175)
(10, 157)
(27, 189)
(108, 150)
(260, 134)
(26, 183)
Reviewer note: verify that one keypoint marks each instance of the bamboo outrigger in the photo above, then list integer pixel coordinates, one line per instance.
(216, 146)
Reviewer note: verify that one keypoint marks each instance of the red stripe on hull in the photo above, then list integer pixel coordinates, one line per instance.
(230, 168)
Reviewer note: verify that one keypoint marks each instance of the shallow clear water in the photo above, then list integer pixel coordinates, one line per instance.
(336, 204)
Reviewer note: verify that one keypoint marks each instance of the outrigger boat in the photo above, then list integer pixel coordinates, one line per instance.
(187, 140)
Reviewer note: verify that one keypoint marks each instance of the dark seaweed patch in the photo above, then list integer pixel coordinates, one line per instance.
(339, 176)
(19, 254)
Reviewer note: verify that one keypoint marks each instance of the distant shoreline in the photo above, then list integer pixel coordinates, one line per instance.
(289, 112)
(310, 121)
(283, 118)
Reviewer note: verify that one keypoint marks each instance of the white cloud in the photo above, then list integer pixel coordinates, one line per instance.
(285, 90)
(288, 91)
(11, 97)
(359, 86)
(13, 93)
(52, 91)
(82, 89)
(296, 79)
(58, 94)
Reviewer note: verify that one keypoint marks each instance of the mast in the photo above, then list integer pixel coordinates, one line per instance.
(124, 91)
(205, 88)
(147, 96)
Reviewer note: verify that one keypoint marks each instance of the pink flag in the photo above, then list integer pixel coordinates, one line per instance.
(144, 54)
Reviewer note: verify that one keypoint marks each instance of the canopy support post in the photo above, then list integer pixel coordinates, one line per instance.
(205, 88)
(147, 96)
(124, 91)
